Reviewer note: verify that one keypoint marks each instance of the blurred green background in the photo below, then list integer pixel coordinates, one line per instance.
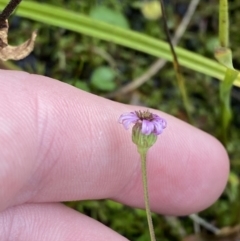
(104, 68)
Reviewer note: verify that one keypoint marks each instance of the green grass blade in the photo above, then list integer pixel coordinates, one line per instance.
(70, 20)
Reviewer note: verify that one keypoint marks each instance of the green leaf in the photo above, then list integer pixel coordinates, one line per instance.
(103, 78)
(110, 16)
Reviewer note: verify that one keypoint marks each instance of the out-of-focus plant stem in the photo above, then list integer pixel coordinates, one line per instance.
(177, 68)
(224, 56)
(223, 24)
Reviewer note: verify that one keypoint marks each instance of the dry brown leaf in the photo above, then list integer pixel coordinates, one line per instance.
(14, 52)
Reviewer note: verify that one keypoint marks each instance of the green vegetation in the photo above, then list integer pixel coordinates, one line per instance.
(75, 47)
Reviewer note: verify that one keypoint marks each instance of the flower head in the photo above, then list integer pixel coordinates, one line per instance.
(148, 123)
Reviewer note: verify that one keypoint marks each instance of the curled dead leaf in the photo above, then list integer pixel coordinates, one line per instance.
(14, 52)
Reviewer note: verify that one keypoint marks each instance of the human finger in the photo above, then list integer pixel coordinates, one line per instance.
(60, 143)
(51, 222)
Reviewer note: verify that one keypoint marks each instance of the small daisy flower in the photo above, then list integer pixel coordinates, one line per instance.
(148, 122)
(145, 131)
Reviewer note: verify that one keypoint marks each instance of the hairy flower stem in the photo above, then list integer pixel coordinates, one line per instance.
(143, 154)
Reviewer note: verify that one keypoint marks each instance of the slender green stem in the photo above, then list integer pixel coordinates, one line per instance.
(223, 23)
(143, 155)
(224, 56)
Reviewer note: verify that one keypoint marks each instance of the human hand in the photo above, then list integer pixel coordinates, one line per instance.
(59, 143)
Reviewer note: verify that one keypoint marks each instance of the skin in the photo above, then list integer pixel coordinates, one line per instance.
(59, 143)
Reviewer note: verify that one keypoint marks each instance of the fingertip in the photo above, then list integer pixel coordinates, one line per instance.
(187, 171)
(198, 167)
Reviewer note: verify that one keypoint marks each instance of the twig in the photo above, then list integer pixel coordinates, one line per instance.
(169, 40)
(7, 11)
(176, 225)
(160, 63)
(204, 223)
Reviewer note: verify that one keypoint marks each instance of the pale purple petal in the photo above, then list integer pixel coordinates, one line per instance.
(147, 127)
(160, 120)
(149, 123)
(158, 128)
(164, 123)
(127, 119)
(154, 126)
